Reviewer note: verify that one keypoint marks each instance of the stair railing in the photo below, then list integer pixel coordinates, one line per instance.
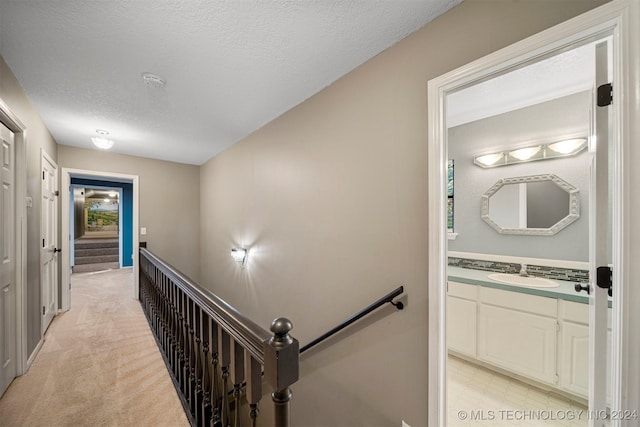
(359, 315)
(214, 353)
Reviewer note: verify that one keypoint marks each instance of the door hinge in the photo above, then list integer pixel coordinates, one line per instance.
(56, 193)
(605, 95)
(43, 310)
(604, 278)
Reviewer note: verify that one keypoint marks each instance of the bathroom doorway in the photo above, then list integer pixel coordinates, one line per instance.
(513, 333)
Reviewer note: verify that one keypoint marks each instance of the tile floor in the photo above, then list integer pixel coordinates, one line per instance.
(480, 397)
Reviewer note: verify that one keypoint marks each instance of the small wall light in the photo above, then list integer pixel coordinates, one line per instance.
(568, 147)
(239, 255)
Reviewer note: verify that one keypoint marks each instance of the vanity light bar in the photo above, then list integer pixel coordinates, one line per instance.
(568, 147)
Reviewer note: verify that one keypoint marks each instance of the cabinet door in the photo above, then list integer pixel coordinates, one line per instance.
(574, 358)
(461, 325)
(524, 343)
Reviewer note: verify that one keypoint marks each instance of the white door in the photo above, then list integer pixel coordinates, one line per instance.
(8, 350)
(49, 241)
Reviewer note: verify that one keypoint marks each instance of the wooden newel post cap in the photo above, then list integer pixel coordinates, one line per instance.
(281, 327)
(281, 353)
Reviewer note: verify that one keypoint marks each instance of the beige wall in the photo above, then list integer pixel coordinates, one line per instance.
(38, 137)
(331, 199)
(169, 201)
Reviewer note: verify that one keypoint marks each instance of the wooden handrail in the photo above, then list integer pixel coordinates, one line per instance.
(207, 343)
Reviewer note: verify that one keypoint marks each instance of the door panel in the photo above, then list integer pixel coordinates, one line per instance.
(7, 261)
(49, 241)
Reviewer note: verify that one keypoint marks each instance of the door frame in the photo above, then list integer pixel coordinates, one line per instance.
(66, 184)
(10, 120)
(621, 17)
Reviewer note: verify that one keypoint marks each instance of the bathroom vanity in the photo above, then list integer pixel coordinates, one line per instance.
(540, 335)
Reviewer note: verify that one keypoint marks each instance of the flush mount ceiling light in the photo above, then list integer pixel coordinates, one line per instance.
(153, 80)
(563, 148)
(239, 255)
(101, 141)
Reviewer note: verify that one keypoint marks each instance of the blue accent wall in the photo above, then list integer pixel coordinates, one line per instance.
(127, 213)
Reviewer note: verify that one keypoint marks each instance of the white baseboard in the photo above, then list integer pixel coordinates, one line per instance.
(34, 354)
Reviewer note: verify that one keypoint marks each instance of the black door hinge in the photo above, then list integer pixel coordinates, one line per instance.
(605, 95)
(604, 278)
(43, 310)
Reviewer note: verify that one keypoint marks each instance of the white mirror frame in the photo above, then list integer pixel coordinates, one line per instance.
(574, 205)
(623, 18)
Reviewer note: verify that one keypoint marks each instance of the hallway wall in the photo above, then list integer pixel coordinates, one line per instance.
(169, 201)
(331, 200)
(38, 137)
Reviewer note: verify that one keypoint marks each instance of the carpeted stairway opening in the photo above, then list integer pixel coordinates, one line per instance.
(96, 254)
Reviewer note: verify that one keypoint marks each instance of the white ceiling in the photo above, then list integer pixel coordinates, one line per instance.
(230, 66)
(566, 73)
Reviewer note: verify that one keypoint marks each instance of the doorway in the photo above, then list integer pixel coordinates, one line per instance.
(126, 187)
(491, 307)
(96, 227)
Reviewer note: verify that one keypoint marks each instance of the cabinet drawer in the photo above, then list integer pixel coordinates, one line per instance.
(517, 301)
(462, 290)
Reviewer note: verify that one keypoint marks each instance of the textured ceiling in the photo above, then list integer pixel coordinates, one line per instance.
(230, 66)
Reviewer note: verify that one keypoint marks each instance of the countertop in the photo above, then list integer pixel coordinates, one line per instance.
(565, 291)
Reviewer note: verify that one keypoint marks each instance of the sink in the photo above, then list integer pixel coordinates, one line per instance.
(528, 281)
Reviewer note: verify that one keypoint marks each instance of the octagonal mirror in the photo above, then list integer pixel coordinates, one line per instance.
(530, 205)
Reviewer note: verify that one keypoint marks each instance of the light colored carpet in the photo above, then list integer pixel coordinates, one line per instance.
(99, 365)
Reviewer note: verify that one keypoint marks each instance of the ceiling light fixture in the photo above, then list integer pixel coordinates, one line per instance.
(153, 80)
(101, 141)
(112, 194)
(562, 148)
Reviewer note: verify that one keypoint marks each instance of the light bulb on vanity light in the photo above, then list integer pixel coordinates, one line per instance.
(489, 159)
(525, 153)
(568, 146)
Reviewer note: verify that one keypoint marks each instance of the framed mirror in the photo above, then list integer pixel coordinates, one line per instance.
(539, 205)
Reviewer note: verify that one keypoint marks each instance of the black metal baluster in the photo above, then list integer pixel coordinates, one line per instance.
(224, 345)
(207, 409)
(238, 379)
(216, 398)
(254, 386)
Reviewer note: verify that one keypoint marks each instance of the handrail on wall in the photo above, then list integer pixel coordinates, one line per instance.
(206, 343)
(384, 300)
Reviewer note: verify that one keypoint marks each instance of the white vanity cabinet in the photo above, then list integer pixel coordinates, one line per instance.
(573, 350)
(518, 332)
(462, 315)
(540, 338)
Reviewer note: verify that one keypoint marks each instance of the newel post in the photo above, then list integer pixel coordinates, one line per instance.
(281, 366)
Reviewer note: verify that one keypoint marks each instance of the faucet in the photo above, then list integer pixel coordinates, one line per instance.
(523, 270)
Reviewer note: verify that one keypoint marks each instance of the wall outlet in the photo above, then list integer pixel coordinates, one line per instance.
(143, 231)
